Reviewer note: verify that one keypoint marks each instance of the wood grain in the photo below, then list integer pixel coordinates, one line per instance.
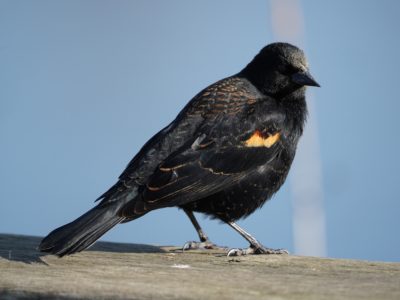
(132, 271)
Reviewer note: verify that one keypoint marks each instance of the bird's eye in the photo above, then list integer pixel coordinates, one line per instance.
(288, 69)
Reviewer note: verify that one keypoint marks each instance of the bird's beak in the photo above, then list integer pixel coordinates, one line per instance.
(304, 78)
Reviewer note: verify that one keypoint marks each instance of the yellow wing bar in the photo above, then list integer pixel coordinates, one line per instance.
(257, 140)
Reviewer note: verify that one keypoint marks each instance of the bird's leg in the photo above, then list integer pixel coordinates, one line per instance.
(202, 236)
(255, 246)
(204, 241)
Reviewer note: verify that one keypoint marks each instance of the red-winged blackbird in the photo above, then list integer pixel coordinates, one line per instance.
(224, 155)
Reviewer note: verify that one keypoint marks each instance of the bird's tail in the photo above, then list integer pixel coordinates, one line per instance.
(83, 232)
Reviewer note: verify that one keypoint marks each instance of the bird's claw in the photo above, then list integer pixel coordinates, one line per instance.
(264, 250)
(189, 245)
(237, 252)
(198, 245)
(253, 250)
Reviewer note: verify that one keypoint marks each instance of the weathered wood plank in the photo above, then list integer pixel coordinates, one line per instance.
(129, 271)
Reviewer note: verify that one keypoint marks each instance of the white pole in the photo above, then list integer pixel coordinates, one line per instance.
(306, 178)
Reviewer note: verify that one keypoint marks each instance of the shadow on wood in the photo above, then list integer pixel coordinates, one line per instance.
(24, 248)
(131, 271)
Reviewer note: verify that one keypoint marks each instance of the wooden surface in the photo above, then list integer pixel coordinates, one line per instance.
(131, 271)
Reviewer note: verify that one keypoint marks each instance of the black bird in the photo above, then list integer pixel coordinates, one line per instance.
(226, 153)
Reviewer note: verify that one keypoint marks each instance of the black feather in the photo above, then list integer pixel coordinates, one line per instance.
(81, 233)
(215, 157)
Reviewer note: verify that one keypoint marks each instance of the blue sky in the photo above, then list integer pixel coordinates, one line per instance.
(86, 83)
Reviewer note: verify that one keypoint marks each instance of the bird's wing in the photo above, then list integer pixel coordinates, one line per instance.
(221, 152)
(225, 97)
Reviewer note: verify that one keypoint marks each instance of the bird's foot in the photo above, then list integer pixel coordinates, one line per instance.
(192, 245)
(255, 250)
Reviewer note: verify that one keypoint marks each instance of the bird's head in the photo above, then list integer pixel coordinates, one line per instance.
(279, 69)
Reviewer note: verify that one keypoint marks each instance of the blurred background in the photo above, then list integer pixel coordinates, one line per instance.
(84, 84)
